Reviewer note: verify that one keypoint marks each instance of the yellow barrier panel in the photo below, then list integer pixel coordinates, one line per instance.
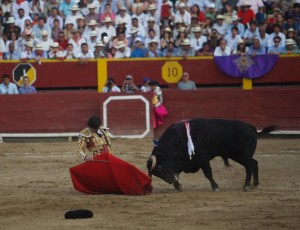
(101, 73)
(247, 84)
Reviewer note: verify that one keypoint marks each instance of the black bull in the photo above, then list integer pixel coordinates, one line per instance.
(229, 139)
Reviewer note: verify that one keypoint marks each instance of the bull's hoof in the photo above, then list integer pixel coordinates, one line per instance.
(246, 188)
(216, 190)
(177, 186)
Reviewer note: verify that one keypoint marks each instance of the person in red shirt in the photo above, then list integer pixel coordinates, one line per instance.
(62, 41)
(246, 14)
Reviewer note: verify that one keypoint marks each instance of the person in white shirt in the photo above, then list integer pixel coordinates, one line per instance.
(235, 21)
(151, 25)
(54, 15)
(197, 40)
(76, 41)
(20, 21)
(19, 4)
(45, 42)
(277, 29)
(220, 25)
(135, 23)
(84, 54)
(203, 4)
(123, 15)
(123, 51)
(8, 87)
(152, 13)
(2, 46)
(251, 33)
(140, 15)
(55, 53)
(93, 39)
(75, 14)
(183, 14)
(111, 87)
(233, 38)
(108, 28)
(263, 36)
(92, 26)
(223, 49)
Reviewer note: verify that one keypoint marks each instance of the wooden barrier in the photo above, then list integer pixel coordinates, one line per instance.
(68, 111)
(71, 74)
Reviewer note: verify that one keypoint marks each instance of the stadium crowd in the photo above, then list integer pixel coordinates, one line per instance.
(85, 29)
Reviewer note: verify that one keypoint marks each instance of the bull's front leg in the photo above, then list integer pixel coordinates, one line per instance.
(208, 174)
(176, 184)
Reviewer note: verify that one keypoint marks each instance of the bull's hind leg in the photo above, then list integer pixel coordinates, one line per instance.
(255, 173)
(208, 174)
(248, 164)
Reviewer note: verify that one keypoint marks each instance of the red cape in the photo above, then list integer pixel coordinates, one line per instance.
(109, 174)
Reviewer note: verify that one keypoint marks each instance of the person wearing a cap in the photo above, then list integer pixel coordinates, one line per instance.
(20, 4)
(256, 48)
(241, 48)
(151, 25)
(211, 12)
(64, 8)
(108, 28)
(28, 51)
(121, 28)
(45, 42)
(120, 37)
(222, 49)
(128, 85)
(220, 25)
(123, 51)
(277, 32)
(69, 28)
(186, 50)
(291, 34)
(11, 27)
(153, 50)
(235, 21)
(197, 40)
(186, 83)
(76, 41)
(245, 13)
(276, 49)
(7, 87)
(26, 88)
(92, 40)
(290, 47)
(134, 34)
(100, 51)
(145, 87)
(92, 27)
(151, 36)
(12, 53)
(55, 16)
(38, 28)
(180, 37)
(54, 52)
(183, 14)
(152, 13)
(75, 14)
(85, 54)
(254, 4)
(39, 53)
(138, 50)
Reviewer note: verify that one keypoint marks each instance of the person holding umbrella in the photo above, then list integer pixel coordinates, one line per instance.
(94, 139)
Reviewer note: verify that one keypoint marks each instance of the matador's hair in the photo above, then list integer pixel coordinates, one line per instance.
(94, 122)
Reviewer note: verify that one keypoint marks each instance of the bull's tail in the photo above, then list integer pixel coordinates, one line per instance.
(267, 130)
(226, 162)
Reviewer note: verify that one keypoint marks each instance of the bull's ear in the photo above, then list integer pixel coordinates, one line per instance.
(155, 142)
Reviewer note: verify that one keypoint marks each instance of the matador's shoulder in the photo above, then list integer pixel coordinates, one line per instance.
(85, 133)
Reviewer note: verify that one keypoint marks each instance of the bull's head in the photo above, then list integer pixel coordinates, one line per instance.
(157, 166)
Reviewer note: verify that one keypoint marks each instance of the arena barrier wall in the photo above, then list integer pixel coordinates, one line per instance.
(52, 74)
(127, 115)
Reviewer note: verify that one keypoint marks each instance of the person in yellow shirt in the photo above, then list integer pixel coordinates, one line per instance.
(93, 139)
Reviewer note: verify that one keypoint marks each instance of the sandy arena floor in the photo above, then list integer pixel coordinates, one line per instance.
(36, 191)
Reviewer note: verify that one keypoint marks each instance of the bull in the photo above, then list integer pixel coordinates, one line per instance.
(187, 146)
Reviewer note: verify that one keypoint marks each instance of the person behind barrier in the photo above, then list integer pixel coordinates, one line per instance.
(111, 87)
(8, 87)
(129, 86)
(27, 88)
(93, 139)
(186, 83)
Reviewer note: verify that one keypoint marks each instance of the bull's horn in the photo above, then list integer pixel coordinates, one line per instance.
(153, 159)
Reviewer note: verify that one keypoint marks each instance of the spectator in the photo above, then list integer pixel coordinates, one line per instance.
(138, 49)
(129, 86)
(290, 47)
(100, 50)
(124, 16)
(152, 26)
(12, 53)
(220, 26)
(121, 28)
(263, 37)
(111, 87)
(92, 26)
(254, 4)
(39, 28)
(186, 83)
(235, 21)
(207, 27)
(256, 48)
(123, 51)
(84, 55)
(45, 41)
(135, 23)
(277, 32)
(27, 26)
(151, 36)
(245, 13)
(211, 12)
(194, 24)
(76, 41)
(233, 38)
(108, 13)
(62, 41)
(8, 87)
(65, 8)
(152, 13)
(81, 24)
(55, 30)
(39, 54)
(166, 38)
(197, 40)
(214, 39)
(241, 49)
(68, 31)
(55, 53)
(27, 54)
(69, 52)
(186, 50)
(276, 48)
(55, 16)
(83, 6)
(160, 112)
(251, 33)
(291, 34)
(108, 28)
(199, 14)
(10, 28)
(120, 37)
(180, 37)
(13, 39)
(206, 50)
(20, 21)
(153, 50)
(92, 41)
(36, 7)
(111, 52)
(183, 14)
(19, 4)
(170, 51)
(145, 87)
(74, 15)
(134, 34)
(5, 9)
(222, 49)
(27, 88)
